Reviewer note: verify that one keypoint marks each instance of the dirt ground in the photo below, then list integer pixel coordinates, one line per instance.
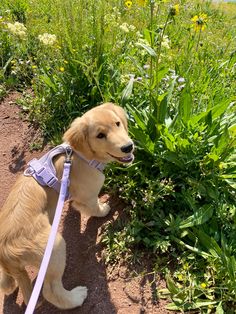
(110, 289)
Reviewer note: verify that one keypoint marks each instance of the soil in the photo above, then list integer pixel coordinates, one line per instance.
(111, 289)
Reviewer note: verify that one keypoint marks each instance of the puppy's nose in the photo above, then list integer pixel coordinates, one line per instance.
(127, 148)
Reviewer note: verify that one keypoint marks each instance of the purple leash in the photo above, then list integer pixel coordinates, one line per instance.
(48, 251)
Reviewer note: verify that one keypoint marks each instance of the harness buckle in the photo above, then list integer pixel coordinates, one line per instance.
(69, 152)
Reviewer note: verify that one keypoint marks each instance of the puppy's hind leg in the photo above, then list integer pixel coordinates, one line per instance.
(53, 290)
(25, 284)
(7, 282)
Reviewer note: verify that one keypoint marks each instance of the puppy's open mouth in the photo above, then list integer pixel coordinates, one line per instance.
(127, 159)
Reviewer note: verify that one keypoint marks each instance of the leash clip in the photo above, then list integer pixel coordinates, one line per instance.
(69, 152)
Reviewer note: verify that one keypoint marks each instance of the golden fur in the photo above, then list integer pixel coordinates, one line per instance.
(26, 217)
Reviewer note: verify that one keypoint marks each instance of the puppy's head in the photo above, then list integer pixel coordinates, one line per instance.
(102, 134)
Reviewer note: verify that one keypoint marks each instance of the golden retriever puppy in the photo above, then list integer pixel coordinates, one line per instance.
(26, 217)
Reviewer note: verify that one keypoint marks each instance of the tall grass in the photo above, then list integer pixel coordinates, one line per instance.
(172, 66)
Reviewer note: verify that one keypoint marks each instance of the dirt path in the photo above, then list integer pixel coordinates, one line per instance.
(109, 291)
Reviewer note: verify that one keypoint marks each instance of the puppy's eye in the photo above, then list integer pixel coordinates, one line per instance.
(118, 123)
(101, 135)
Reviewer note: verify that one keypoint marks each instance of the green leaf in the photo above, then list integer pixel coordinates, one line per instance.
(171, 285)
(191, 248)
(138, 117)
(144, 140)
(48, 82)
(202, 215)
(127, 92)
(219, 309)
(162, 109)
(190, 306)
(185, 104)
(216, 111)
(149, 49)
(209, 243)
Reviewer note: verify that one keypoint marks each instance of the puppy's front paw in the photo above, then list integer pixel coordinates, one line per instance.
(104, 209)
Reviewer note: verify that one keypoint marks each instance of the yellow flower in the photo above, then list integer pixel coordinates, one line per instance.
(128, 4)
(174, 10)
(142, 3)
(61, 69)
(186, 266)
(34, 67)
(203, 285)
(199, 22)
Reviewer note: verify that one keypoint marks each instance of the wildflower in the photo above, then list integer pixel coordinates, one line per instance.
(199, 22)
(128, 4)
(203, 285)
(142, 3)
(186, 266)
(124, 27)
(165, 42)
(132, 28)
(180, 277)
(174, 10)
(34, 67)
(17, 29)
(61, 69)
(181, 80)
(47, 39)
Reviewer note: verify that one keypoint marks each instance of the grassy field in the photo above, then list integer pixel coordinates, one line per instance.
(172, 66)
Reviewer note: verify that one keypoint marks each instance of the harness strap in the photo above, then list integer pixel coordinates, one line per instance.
(49, 247)
(44, 172)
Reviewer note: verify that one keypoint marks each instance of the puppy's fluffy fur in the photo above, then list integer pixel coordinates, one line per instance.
(26, 217)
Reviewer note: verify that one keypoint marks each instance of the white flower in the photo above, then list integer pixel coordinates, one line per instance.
(181, 79)
(17, 29)
(132, 28)
(47, 39)
(165, 42)
(124, 27)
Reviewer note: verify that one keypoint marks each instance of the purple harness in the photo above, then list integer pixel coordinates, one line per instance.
(44, 172)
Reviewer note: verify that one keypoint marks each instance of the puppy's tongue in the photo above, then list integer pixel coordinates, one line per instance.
(128, 158)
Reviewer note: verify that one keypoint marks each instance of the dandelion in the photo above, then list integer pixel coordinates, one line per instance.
(34, 67)
(61, 69)
(47, 39)
(199, 22)
(128, 4)
(17, 29)
(174, 10)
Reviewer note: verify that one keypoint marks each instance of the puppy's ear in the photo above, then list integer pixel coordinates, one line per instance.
(77, 137)
(120, 112)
